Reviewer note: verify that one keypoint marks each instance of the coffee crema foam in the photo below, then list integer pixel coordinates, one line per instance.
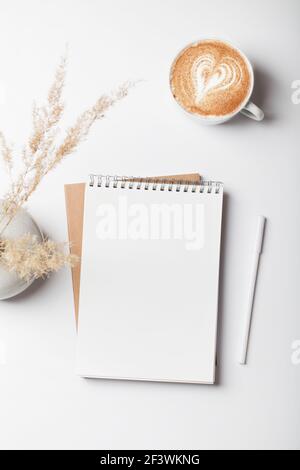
(210, 78)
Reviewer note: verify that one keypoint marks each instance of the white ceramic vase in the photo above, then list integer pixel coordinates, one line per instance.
(10, 284)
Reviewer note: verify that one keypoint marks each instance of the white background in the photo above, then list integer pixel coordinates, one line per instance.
(43, 404)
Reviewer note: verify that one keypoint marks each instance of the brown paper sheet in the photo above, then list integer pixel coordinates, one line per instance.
(74, 195)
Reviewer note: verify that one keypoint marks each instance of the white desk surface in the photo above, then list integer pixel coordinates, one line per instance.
(43, 404)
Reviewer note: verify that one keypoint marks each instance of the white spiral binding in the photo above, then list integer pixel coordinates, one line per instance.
(129, 182)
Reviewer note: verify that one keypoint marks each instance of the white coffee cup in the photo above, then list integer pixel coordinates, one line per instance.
(246, 107)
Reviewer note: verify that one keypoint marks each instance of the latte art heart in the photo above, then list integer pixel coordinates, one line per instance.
(210, 78)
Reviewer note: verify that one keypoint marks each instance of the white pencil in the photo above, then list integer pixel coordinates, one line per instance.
(248, 315)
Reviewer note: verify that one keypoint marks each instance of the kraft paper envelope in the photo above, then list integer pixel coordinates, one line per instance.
(74, 195)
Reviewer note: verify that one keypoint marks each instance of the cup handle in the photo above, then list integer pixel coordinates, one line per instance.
(252, 111)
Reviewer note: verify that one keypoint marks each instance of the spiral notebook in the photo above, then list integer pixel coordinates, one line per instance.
(74, 197)
(149, 280)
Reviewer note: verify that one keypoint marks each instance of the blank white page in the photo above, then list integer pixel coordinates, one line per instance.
(149, 283)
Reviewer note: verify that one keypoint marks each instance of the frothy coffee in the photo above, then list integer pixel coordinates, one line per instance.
(210, 78)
